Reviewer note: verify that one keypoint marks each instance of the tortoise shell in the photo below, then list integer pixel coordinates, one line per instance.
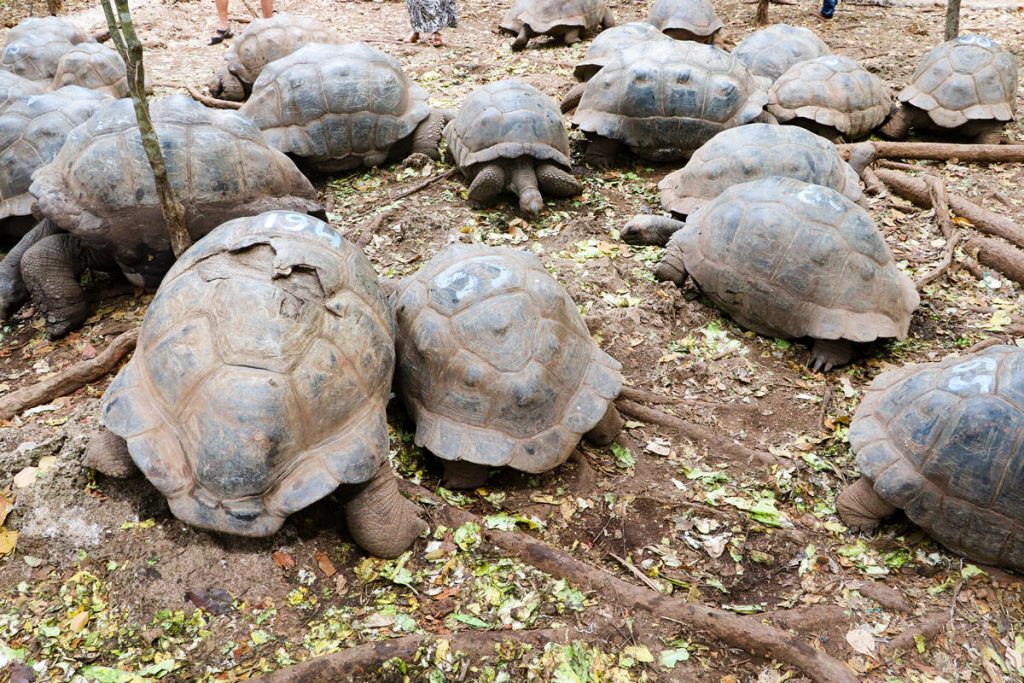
(772, 50)
(217, 161)
(261, 374)
(553, 16)
(610, 42)
(94, 66)
(669, 95)
(694, 18)
(833, 91)
(739, 155)
(32, 131)
(266, 40)
(787, 259)
(13, 87)
(943, 442)
(494, 361)
(34, 47)
(328, 104)
(506, 120)
(967, 79)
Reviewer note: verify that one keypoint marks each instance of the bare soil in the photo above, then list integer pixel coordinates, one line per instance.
(677, 512)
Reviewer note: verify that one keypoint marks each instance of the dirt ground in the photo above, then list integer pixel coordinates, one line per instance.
(104, 585)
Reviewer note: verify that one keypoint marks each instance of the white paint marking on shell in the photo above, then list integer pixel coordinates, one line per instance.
(464, 284)
(812, 195)
(978, 374)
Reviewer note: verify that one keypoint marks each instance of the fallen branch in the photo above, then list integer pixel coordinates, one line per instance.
(367, 658)
(368, 229)
(1000, 256)
(420, 185)
(939, 151)
(938, 198)
(69, 380)
(745, 633)
(212, 101)
(989, 222)
(693, 432)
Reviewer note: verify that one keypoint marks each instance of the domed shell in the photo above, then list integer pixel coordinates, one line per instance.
(261, 375)
(32, 131)
(610, 42)
(772, 50)
(217, 161)
(942, 441)
(33, 48)
(669, 95)
(13, 87)
(739, 155)
(696, 17)
(494, 361)
(788, 259)
(266, 40)
(93, 66)
(833, 91)
(330, 104)
(506, 120)
(967, 79)
(545, 16)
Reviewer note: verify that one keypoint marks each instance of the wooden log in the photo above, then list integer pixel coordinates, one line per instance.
(69, 380)
(989, 222)
(1000, 256)
(940, 151)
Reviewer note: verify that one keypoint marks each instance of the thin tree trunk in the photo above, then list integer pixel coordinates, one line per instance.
(952, 19)
(761, 18)
(122, 33)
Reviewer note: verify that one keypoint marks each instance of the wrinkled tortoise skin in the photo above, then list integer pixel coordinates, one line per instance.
(261, 375)
(739, 155)
(832, 91)
(686, 19)
(494, 361)
(217, 161)
(610, 42)
(336, 106)
(93, 66)
(266, 40)
(34, 47)
(967, 79)
(505, 120)
(32, 131)
(665, 99)
(787, 259)
(942, 441)
(772, 50)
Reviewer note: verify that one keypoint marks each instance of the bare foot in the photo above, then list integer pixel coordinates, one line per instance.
(413, 37)
(435, 40)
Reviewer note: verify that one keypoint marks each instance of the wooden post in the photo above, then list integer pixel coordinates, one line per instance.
(952, 19)
(122, 33)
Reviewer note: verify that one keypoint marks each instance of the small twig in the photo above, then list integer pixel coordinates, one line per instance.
(826, 401)
(251, 9)
(899, 165)
(631, 568)
(212, 101)
(420, 185)
(70, 380)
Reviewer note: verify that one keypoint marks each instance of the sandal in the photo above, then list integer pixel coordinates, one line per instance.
(220, 36)
(436, 41)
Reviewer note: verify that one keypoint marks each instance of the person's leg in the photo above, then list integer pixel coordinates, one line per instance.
(266, 5)
(222, 15)
(828, 8)
(435, 39)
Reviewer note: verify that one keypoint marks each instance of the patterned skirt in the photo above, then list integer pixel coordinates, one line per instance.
(430, 16)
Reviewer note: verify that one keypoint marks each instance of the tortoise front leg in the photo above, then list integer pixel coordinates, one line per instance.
(829, 353)
(13, 292)
(571, 37)
(990, 134)
(427, 136)
(487, 185)
(601, 152)
(459, 474)
(572, 98)
(608, 21)
(898, 125)
(519, 44)
(380, 520)
(860, 507)
(650, 230)
(671, 269)
(107, 453)
(51, 268)
(556, 182)
(524, 183)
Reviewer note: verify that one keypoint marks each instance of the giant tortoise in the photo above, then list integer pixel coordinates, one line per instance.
(772, 50)
(566, 19)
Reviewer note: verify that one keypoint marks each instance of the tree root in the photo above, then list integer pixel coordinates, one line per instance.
(641, 396)
(989, 222)
(745, 633)
(937, 197)
(69, 380)
(212, 101)
(694, 432)
(366, 658)
(937, 151)
(929, 627)
(872, 184)
(420, 185)
(999, 256)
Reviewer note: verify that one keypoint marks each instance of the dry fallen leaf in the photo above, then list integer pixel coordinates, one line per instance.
(8, 539)
(78, 622)
(325, 564)
(861, 641)
(5, 508)
(283, 559)
(26, 477)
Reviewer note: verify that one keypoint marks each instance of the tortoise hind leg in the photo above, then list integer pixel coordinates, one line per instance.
(605, 431)
(519, 44)
(608, 21)
(380, 519)
(487, 185)
(860, 507)
(601, 152)
(459, 474)
(107, 453)
(571, 37)
(990, 134)
(829, 353)
(427, 136)
(572, 98)
(556, 182)
(12, 286)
